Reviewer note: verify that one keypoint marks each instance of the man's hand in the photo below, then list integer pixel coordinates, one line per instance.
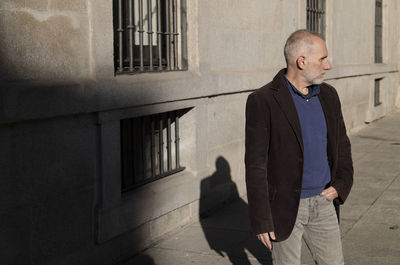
(330, 193)
(265, 238)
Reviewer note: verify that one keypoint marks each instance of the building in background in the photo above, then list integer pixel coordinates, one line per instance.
(118, 119)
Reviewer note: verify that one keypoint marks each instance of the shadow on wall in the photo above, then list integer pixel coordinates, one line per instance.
(228, 230)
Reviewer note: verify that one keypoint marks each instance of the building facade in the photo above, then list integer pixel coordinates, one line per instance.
(121, 121)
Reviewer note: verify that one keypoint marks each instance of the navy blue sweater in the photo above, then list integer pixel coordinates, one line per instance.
(316, 171)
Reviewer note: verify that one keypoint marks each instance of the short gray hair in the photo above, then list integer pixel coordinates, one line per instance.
(297, 41)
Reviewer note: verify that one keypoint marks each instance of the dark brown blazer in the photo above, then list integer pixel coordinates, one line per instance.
(274, 155)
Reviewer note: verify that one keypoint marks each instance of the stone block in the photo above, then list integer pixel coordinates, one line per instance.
(43, 46)
(170, 222)
(147, 203)
(8, 157)
(382, 244)
(61, 225)
(226, 120)
(40, 5)
(172, 257)
(236, 212)
(189, 153)
(182, 193)
(57, 156)
(227, 49)
(231, 154)
(204, 240)
(238, 43)
(341, 50)
(71, 5)
(115, 251)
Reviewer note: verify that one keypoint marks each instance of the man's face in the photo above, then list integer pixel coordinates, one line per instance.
(317, 63)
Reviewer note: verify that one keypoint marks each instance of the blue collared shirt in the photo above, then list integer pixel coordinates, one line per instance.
(316, 170)
(313, 90)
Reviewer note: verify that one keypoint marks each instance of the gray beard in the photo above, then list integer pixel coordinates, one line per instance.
(313, 81)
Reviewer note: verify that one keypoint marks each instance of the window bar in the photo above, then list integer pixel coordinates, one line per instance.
(161, 145)
(167, 34)
(378, 31)
(321, 17)
(183, 29)
(130, 154)
(141, 34)
(120, 31)
(144, 169)
(169, 155)
(125, 154)
(150, 34)
(175, 23)
(153, 148)
(130, 32)
(159, 35)
(134, 156)
(316, 16)
(177, 141)
(313, 15)
(308, 14)
(318, 8)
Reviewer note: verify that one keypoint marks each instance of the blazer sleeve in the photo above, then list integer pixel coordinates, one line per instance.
(256, 159)
(344, 171)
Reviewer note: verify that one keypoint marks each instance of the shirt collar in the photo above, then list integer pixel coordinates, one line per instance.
(313, 90)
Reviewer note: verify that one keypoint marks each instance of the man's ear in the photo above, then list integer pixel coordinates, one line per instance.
(300, 62)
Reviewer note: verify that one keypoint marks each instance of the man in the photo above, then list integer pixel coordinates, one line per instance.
(298, 157)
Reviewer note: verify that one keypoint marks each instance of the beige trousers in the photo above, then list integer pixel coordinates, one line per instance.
(317, 222)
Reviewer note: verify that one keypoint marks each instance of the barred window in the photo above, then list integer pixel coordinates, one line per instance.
(149, 35)
(150, 148)
(377, 92)
(378, 31)
(316, 16)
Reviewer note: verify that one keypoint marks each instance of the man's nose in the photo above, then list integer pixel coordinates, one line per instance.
(327, 65)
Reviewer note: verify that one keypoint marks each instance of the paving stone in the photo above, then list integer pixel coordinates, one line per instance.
(372, 241)
(172, 257)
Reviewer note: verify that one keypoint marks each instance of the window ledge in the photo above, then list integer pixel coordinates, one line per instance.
(146, 203)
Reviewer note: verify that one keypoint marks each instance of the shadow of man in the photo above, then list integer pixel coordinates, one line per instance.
(227, 229)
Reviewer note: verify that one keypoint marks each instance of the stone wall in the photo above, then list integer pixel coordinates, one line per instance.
(61, 104)
(44, 40)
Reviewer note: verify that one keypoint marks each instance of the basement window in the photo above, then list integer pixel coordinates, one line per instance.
(150, 148)
(377, 92)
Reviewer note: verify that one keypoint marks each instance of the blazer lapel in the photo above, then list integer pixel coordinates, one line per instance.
(330, 119)
(285, 101)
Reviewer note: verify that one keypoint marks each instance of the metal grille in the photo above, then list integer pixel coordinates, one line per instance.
(150, 148)
(149, 35)
(378, 31)
(316, 16)
(377, 92)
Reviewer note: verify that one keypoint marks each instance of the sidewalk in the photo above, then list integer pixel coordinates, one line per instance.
(370, 218)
